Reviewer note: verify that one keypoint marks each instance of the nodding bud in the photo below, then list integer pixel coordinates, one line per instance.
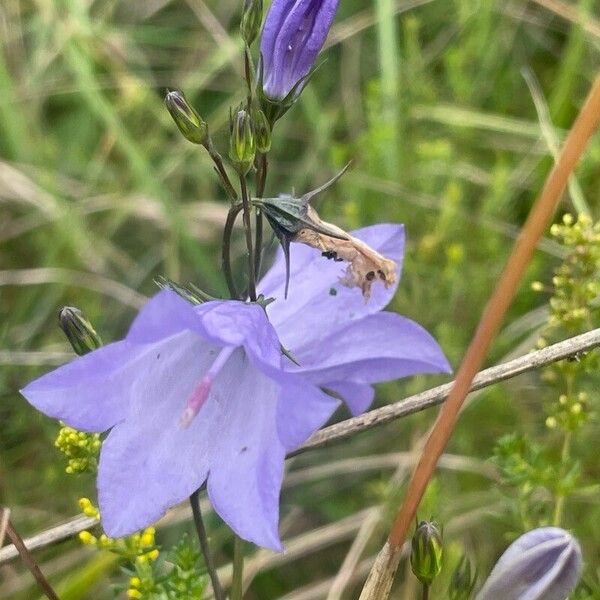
(543, 564)
(188, 121)
(426, 552)
(79, 331)
(252, 16)
(463, 581)
(262, 130)
(242, 143)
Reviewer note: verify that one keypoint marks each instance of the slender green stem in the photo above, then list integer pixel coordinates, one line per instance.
(261, 179)
(220, 169)
(203, 539)
(425, 594)
(234, 211)
(237, 582)
(248, 232)
(560, 498)
(248, 71)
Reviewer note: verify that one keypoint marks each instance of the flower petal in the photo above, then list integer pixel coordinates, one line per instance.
(380, 347)
(90, 393)
(226, 323)
(149, 463)
(164, 315)
(247, 457)
(358, 396)
(232, 323)
(303, 408)
(318, 304)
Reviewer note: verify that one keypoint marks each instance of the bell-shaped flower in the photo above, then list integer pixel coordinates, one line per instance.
(543, 564)
(204, 393)
(293, 35)
(192, 394)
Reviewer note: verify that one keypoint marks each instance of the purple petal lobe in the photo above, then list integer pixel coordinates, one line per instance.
(164, 315)
(380, 347)
(358, 396)
(232, 323)
(543, 564)
(318, 304)
(90, 393)
(247, 457)
(303, 408)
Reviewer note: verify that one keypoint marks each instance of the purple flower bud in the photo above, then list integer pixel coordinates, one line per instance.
(543, 564)
(293, 35)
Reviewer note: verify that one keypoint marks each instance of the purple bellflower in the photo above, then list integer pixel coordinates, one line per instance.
(198, 394)
(543, 564)
(293, 35)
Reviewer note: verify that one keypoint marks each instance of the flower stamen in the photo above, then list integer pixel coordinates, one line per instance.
(201, 392)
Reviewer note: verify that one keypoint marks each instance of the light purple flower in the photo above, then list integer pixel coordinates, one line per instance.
(543, 564)
(293, 34)
(203, 393)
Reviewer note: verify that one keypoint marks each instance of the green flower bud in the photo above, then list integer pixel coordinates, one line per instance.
(252, 16)
(426, 552)
(242, 143)
(79, 331)
(463, 581)
(189, 122)
(262, 130)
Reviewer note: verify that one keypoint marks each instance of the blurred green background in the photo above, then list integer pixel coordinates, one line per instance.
(450, 110)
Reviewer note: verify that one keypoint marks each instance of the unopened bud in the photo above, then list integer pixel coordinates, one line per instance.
(543, 563)
(188, 121)
(242, 143)
(252, 16)
(79, 331)
(262, 131)
(463, 581)
(426, 552)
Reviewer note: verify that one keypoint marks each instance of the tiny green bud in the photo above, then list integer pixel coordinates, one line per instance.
(262, 130)
(79, 331)
(426, 552)
(242, 143)
(189, 122)
(252, 16)
(463, 581)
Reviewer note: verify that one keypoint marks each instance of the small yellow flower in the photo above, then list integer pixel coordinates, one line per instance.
(85, 537)
(133, 593)
(153, 554)
(135, 582)
(551, 423)
(147, 539)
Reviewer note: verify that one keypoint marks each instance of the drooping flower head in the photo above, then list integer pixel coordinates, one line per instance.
(543, 564)
(293, 35)
(204, 393)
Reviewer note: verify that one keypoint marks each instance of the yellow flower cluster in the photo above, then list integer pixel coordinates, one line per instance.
(139, 547)
(80, 448)
(575, 284)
